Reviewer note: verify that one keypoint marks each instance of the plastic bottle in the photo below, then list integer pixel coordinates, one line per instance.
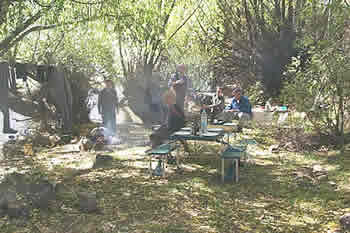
(204, 122)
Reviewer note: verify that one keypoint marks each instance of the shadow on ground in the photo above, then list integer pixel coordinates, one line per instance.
(268, 198)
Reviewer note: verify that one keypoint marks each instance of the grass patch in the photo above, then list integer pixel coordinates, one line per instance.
(270, 197)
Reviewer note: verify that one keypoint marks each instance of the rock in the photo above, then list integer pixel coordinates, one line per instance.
(87, 201)
(322, 177)
(345, 221)
(19, 194)
(332, 183)
(102, 160)
(317, 168)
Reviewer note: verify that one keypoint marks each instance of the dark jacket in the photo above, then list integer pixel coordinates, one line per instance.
(107, 100)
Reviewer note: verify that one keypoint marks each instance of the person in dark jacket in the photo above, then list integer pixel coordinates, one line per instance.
(107, 105)
(176, 120)
(4, 101)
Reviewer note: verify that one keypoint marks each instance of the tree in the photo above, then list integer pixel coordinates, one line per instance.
(322, 87)
(20, 18)
(256, 41)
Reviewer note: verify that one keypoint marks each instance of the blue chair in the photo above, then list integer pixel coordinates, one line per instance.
(162, 152)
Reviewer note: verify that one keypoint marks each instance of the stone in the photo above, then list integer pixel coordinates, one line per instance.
(102, 160)
(345, 221)
(19, 194)
(87, 201)
(317, 168)
(322, 177)
(332, 183)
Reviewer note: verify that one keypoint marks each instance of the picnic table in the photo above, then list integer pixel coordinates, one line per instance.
(215, 133)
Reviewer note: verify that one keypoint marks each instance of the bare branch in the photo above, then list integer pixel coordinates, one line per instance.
(185, 21)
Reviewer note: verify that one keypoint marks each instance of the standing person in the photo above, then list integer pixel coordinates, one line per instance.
(240, 108)
(107, 104)
(4, 101)
(180, 83)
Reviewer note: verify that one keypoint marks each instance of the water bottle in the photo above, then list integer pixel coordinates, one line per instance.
(204, 122)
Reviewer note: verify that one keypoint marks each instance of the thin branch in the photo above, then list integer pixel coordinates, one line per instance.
(23, 34)
(4, 44)
(185, 21)
(59, 42)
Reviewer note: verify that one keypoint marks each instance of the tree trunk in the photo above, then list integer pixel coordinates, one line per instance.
(341, 118)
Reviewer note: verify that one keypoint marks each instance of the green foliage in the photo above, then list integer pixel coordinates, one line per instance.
(324, 80)
(21, 18)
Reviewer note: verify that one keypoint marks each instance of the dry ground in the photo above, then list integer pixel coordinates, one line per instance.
(276, 192)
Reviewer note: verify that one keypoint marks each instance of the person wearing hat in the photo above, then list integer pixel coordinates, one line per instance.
(107, 105)
(239, 109)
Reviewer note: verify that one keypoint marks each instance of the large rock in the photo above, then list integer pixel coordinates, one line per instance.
(102, 160)
(19, 194)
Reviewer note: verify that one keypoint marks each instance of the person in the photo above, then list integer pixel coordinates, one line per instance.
(180, 83)
(156, 98)
(218, 104)
(107, 104)
(240, 108)
(176, 120)
(4, 99)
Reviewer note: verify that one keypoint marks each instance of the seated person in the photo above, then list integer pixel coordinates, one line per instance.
(217, 106)
(176, 120)
(239, 109)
